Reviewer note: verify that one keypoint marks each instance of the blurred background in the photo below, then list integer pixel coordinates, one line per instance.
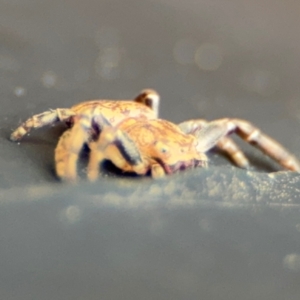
(221, 233)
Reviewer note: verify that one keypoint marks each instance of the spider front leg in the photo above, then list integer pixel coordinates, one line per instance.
(222, 142)
(116, 146)
(68, 149)
(157, 171)
(46, 118)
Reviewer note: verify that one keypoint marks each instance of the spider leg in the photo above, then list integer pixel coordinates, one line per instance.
(224, 143)
(190, 126)
(269, 146)
(149, 98)
(114, 145)
(61, 154)
(211, 134)
(45, 118)
(157, 171)
(96, 157)
(233, 151)
(68, 149)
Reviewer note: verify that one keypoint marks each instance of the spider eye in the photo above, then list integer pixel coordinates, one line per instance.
(163, 150)
(161, 147)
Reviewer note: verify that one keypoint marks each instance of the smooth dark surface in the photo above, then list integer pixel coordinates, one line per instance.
(220, 233)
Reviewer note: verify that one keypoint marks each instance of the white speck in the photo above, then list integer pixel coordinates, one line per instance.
(49, 79)
(184, 51)
(19, 91)
(72, 213)
(292, 262)
(209, 57)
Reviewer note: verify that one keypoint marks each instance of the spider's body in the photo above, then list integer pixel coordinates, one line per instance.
(129, 134)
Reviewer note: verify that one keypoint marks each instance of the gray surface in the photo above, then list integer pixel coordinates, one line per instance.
(221, 233)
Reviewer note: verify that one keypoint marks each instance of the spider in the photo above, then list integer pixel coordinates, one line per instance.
(161, 147)
(145, 105)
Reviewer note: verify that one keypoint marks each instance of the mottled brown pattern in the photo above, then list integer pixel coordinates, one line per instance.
(150, 132)
(163, 147)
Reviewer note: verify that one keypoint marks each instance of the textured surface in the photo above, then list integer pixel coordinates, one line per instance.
(221, 233)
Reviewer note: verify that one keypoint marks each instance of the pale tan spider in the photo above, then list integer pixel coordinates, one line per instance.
(136, 141)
